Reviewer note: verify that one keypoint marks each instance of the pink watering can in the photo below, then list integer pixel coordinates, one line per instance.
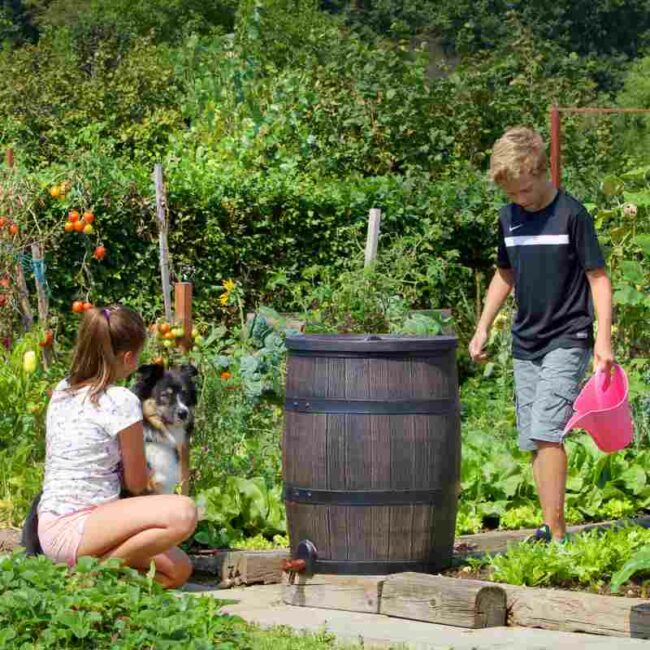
(602, 409)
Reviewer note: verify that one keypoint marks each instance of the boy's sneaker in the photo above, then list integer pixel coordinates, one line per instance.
(542, 534)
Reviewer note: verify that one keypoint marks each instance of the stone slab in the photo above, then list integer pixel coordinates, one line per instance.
(263, 605)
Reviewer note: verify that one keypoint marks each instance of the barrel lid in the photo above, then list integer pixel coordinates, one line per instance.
(369, 343)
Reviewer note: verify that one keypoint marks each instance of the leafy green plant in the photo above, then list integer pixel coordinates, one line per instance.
(103, 605)
(589, 559)
(638, 563)
(241, 507)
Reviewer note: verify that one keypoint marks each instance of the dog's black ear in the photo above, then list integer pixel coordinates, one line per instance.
(148, 375)
(189, 370)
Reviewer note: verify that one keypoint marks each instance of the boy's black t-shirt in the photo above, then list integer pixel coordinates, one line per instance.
(549, 252)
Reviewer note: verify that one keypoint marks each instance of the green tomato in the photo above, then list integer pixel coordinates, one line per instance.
(198, 339)
(168, 343)
(178, 332)
(195, 333)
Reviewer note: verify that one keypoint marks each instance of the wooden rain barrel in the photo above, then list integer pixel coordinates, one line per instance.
(371, 452)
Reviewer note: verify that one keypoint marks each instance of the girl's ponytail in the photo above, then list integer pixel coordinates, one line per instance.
(104, 333)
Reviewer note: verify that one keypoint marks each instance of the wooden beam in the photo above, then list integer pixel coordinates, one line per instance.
(350, 593)
(576, 611)
(449, 601)
(235, 568)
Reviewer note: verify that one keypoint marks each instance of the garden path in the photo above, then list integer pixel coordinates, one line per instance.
(263, 605)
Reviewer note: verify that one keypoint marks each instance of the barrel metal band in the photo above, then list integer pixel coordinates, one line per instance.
(372, 407)
(369, 497)
(351, 567)
(370, 354)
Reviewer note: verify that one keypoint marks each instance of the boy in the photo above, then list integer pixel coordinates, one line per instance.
(548, 251)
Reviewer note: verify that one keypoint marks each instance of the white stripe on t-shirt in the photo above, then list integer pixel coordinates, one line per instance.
(536, 240)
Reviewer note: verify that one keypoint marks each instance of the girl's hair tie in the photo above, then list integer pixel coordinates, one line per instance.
(107, 315)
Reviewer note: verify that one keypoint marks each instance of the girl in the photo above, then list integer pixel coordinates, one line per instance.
(95, 438)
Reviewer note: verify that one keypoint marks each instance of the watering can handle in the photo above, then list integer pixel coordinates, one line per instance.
(603, 379)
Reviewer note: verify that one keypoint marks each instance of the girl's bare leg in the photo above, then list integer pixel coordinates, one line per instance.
(141, 529)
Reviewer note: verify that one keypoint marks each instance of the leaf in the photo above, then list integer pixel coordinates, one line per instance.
(639, 562)
(634, 478)
(632, 271)
(628, 295)
(611, 185)
(643, 242)
(638, 198)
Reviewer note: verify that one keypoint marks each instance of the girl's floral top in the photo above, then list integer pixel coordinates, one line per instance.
(83, 461)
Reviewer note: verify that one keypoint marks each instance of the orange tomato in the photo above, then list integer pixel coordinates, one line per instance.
(225, 375)
(163, 328)
(100, 253)
(87, 306)
(13, 229)
(78, 226)
(69, 226)
(73, 216)
(77, 306)
(3, 222)
(88, 217)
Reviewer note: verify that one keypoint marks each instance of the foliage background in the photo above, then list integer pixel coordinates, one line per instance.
(279, 124)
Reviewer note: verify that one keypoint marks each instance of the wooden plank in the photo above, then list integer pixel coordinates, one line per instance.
(497, 541)
(350, 593)
(575, 611)
(438, 599)
(235, 568)
(9, 540)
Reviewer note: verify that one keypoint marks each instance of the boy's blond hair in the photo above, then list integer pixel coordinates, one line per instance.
(517, 151)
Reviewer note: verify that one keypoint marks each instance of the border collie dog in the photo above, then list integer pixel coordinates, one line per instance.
(168, 398)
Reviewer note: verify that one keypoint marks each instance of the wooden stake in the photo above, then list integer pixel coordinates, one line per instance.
(374, 222)
(183, 309)
(43, 307)
(556, 146)
(26, 314)
(161, 217)
(183, 317)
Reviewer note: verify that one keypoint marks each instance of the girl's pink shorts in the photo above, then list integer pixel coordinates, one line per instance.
(60, 535)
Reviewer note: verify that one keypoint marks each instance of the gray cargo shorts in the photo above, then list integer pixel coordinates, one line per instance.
(545, 390)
